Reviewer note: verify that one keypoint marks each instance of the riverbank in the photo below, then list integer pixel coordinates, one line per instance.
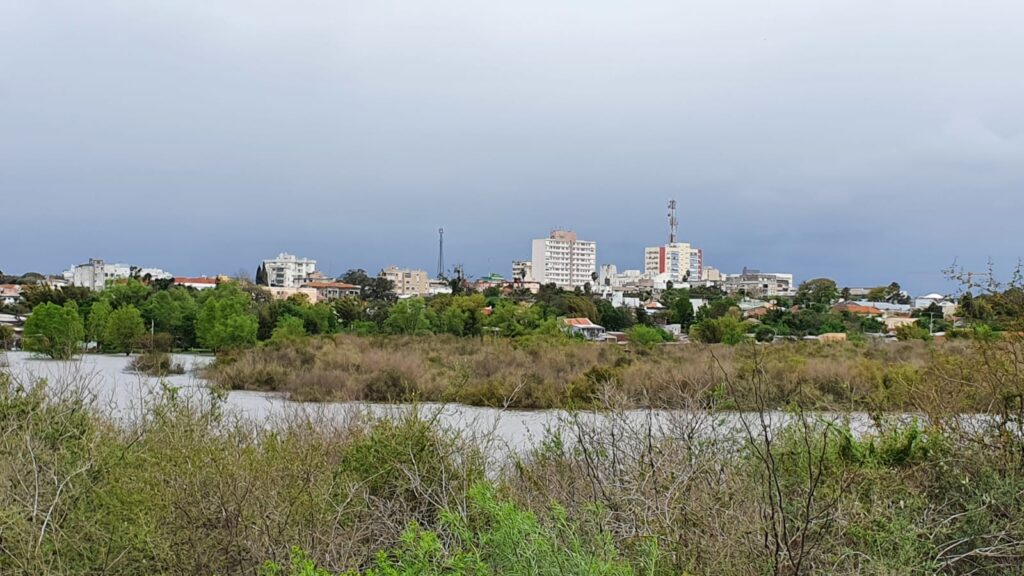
(189, 487)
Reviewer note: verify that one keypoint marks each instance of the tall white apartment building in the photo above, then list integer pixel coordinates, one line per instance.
(564, 260)
(288, 271)
(679, 260)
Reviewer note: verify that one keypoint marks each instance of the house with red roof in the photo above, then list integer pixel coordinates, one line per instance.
(583, 327)
(856, 309)
(332, 290)
(199, 283)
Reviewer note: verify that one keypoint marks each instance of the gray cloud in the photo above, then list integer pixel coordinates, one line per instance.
(859, 140)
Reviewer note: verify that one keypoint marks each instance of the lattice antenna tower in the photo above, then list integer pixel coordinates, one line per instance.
(673, 222)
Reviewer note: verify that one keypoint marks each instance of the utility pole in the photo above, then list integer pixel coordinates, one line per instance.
(440, 252)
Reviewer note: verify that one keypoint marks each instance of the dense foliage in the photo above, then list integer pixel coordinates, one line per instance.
(186, 488)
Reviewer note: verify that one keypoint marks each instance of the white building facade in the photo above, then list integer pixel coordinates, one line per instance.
(680, 261)
(288, 271)
(95, 274)
(759, 284)
(522, 271)
(564, 260)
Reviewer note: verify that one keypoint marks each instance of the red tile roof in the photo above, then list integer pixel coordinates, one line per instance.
(200, 280)
(857, 309)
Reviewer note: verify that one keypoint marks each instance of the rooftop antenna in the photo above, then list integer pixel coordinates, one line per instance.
(440, 252)
(673, 223)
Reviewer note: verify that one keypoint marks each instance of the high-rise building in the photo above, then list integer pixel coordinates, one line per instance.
(564, 260)
(680, 261)
(288, 271)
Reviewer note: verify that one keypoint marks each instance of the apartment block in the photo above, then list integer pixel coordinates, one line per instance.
(680, 261)
(407, 282)
(95, 274)
(288, 271)
(564, 259)
(522, 271)
(759, 284)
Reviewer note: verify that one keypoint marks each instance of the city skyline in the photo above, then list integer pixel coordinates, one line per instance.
(859, 142)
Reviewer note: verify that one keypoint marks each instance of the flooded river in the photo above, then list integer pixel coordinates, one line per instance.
(122, 393)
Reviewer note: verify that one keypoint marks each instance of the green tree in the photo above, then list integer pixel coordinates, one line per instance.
(681, 312)
(580, 307)
(6, 336)
(349, 310)
(224, 319)
(56, 331)
(724, 330)
(717, 309)
(124, 327)
(131, 292)
(648, 336)
(99, 317)
(289, 328)
(819, 292)
(408, 316)
(613, 319)
(173, 311)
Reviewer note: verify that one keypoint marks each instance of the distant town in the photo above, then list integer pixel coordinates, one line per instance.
(767, 303)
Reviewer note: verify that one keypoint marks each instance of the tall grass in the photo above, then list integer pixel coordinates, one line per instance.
(559, 374)
(188, 488)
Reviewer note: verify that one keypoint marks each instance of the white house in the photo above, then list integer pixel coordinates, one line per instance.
(584, 327)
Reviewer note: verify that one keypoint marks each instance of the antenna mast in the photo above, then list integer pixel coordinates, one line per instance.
(673, 223)
(440, 252)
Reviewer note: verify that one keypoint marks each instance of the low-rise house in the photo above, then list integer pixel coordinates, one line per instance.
(282, 293)
(584, 327)
(653, 307)
(948, 306)
(894, 322)
(887, 308)
(332, 290)
(17, 324)
(10, 294)
(756, 313)
(856, 309)
(199, 283)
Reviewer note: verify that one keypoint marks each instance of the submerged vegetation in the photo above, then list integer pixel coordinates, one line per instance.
(871, 376)
(186, 487)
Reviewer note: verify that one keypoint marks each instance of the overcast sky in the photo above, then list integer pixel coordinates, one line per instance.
(868, 141)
